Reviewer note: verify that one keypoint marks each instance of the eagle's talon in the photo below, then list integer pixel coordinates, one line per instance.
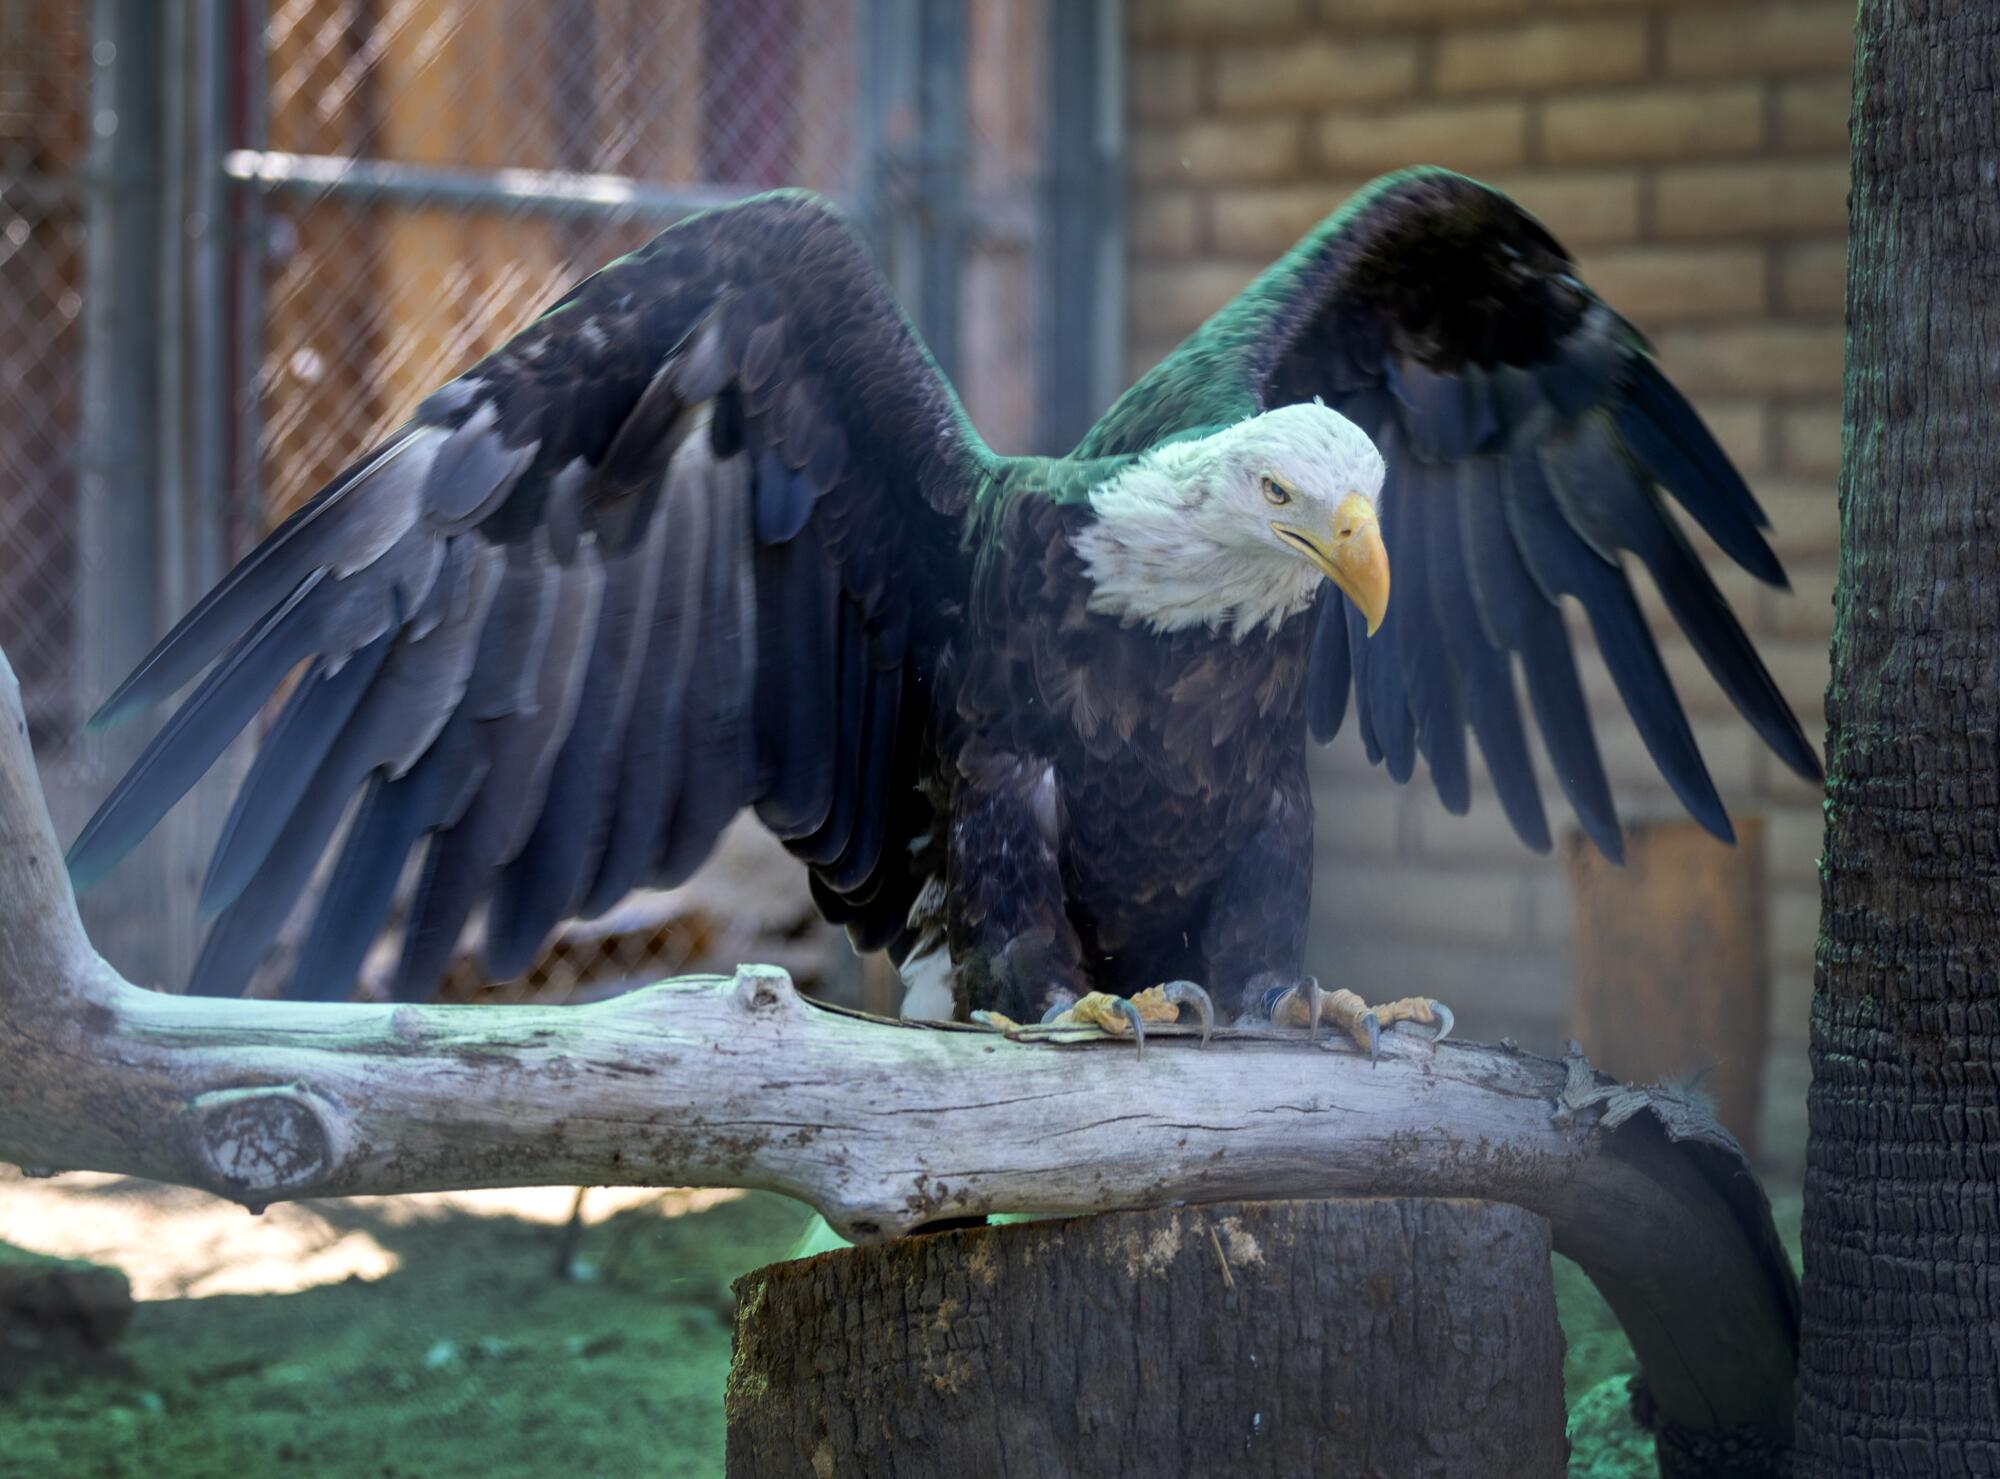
(1371, 1026)
(1445, 1021)
(998, 1021)
(1180, 994)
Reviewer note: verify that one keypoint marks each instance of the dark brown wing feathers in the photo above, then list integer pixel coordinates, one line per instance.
(624, 577)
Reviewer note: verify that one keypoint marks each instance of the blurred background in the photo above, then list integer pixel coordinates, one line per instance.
(239, 239)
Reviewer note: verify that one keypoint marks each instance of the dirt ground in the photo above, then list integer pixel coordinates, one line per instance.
(427, 1336)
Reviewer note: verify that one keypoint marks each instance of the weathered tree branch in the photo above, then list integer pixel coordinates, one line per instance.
(882, 1126)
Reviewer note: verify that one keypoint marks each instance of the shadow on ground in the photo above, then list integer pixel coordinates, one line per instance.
(468, 1358)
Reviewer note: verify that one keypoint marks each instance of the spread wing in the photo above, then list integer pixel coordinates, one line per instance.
(1529, 437)
(689, 542)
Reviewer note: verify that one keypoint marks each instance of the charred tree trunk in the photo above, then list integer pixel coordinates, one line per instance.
(1379, 1336)
(1901, 1357)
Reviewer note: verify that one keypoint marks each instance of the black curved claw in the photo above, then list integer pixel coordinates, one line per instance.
(1278, 998)
(1374, 1026)
(1187, 994)
(1130, 1013)
(1445, 1022)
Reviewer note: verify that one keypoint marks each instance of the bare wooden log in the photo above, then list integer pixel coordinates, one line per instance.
(1358, 1337)
(882, 1126)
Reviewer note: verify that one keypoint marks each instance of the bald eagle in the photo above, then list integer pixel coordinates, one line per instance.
(714, 533)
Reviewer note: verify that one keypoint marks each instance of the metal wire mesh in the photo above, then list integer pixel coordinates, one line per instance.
(43, 103)
(493, 122)
(377, 292)
(353, 200)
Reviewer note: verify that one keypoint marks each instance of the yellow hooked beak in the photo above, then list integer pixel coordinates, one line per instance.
(1351, 555)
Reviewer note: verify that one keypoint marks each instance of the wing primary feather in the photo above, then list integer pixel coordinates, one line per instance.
(200, 730)
(1327, 668)
(390, 821)
(826, 843)
(1554, 549)
(1426, 493)
(551, 873)
(1654, 395)
(1483, 673)
(797, 688)
(719, 758)
(1359, 658)
(286, 761)
(1521, 618)
(1388, 698)
(1597, 486)
(878, 757)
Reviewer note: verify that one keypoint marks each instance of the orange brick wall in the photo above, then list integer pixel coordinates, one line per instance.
(1694, 156)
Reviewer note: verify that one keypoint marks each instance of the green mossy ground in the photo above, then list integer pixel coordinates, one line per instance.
(472, 1360)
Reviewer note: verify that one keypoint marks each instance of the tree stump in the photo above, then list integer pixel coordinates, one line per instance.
(1383, 1336)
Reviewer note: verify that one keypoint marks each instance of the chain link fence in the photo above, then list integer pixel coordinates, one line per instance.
(239, 239)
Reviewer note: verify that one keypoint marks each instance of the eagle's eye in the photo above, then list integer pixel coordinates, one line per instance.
(1275, 494)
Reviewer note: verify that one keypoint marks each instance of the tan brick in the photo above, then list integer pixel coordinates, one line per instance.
(1781, 785)
(1413, 14)
(1749, 41)
(1265, 222)
(1471, 136)
(1794, 924)
(1582, 209)
(1725, 741)
(1762, 358)
(1482, 834)
(1316, 73)
(1805, 517)
(1808, 610)
(1540, 55)
(1658, 285)
(1163, 86)
(1799, 665)
(1164, 223)
(1459, 906)
(1812, 277)
(1746, 199)
(1809, 440)
(1174, 298)
(1741, 427)
(1654, 123)
(1366, 821)
(1175, 20)
(1792, 839)
(1741, 590)
(1790, 1021)
(1812, 115)
(1215, 152)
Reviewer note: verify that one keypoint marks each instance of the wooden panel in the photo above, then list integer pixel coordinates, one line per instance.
(1670, 970)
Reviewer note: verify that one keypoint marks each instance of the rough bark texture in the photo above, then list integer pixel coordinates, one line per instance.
(1902, 1219)
(884, 1126)
(1343, 1338)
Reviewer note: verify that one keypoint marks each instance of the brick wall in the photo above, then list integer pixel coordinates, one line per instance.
(1694, 156)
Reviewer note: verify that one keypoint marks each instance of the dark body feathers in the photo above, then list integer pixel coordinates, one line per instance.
(712, 533)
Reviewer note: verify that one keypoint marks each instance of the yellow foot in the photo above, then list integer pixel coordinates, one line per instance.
(1305, 1005)
(1122, 1014)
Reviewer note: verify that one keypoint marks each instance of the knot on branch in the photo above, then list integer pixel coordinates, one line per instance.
(763, 989)
(259, 1144)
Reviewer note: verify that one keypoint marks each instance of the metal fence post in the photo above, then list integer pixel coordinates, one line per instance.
(118, 518)
(1082, 267)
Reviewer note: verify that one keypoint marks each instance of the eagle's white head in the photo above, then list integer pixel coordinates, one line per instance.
(1237, 529)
